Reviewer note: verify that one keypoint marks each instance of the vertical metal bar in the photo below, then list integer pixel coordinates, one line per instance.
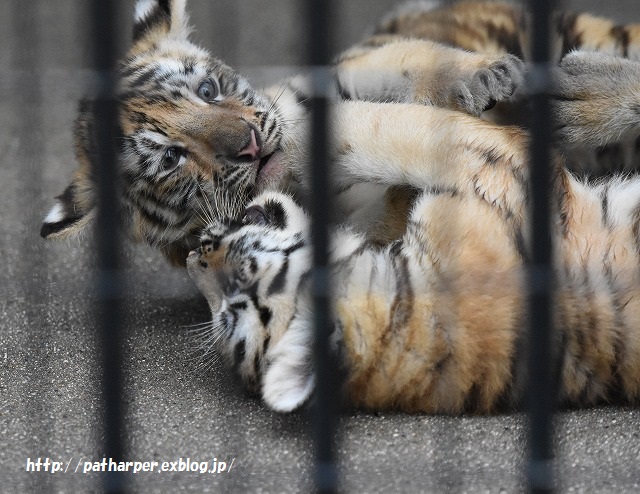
(319, 19)
(103, 13)
(541, 387)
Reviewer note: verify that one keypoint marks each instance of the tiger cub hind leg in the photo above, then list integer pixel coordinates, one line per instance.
(425, 72)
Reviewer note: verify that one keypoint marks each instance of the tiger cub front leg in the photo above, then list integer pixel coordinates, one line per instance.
(203, 263)
(426, 147)
(425, 72)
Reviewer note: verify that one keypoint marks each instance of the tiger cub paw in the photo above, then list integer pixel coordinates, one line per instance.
(203, 263)
(481, 89)
(596, 100)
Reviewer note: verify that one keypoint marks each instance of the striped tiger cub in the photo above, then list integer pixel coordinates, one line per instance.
(194, 134)
(434, 322)
(499, 28)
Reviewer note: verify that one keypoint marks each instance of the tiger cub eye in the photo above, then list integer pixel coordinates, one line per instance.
(208, 91)
(171, 158)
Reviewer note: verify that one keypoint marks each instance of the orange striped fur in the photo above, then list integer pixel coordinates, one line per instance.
(196, 136)
(434, 322)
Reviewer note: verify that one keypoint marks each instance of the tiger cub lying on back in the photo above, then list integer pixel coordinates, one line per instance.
(435, 322)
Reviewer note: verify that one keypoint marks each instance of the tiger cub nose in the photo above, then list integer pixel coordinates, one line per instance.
(252, 150)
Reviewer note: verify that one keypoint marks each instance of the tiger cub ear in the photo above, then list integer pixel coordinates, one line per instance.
(74, 209)
(162, 17)
(71, 213)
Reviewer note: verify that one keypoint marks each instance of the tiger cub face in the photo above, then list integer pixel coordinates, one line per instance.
(194, 138)
(255, 277)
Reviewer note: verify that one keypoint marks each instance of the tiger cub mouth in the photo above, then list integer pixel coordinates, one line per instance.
(271, 171)
(264, 160)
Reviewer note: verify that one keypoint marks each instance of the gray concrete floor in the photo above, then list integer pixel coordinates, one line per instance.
(49, 405)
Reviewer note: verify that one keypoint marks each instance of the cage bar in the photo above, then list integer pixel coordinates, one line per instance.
(108, 278)
(541, 386)
(319, 15)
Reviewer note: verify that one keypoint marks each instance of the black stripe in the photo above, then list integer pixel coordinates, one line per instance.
(621, 35)
(265, 315)
(156, 218)
(189, 66)
(635, 228)
(148, 143)
(230, 86)
(178, 198)
(165, 5)
(402, 306)
(128, 67)
(256, 364)
(214, 242)
(566, 27)
(520, 244)
(345, 265)
(271, 127)
(152, 217)
(279, 281)
(390, 27)
(232, 179)
(298, 245)
(239, 352)
(231, 327)
(239, 305)
(142, 78)
(143, 187)
(506, 38)
(491, 156)
(604, 207)
(264, 312)
(265, 344)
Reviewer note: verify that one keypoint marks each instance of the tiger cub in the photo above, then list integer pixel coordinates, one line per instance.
(195, 136)
(499, 28)
(436, 321)
(502, 27)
